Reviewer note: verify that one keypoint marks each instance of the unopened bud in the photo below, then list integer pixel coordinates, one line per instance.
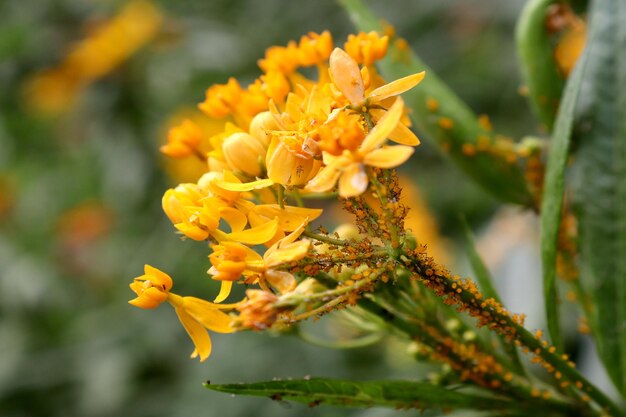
(261, 126)
(243, 152)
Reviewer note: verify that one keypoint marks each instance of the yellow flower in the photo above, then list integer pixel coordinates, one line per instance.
(222, 99)
(190, 213)
(231, 260)
(347, 77)
(196, 315)
(196, 210)
(289, 165)
(283, 59)
(349, 167)
(367, 48)
(275, 86)
(152, 288)
(132, 28)
(55, 90)
(182, 140)
(314, 48)
(215, 158)
(345, 131)
(293, 154)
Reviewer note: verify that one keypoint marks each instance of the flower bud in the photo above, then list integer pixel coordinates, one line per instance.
(258, 311)
(261, 125)
(243, 152)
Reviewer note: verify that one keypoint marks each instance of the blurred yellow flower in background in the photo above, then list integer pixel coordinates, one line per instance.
(54, 91)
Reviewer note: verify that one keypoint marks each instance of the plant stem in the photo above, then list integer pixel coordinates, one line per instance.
(498, 319)
(326, 239)
(413, 329)
(384, 203)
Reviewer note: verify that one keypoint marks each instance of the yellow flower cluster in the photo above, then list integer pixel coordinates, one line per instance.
(288, 137)
(112, 43)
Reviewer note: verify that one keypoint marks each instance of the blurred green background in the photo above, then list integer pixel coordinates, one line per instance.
(80, 193)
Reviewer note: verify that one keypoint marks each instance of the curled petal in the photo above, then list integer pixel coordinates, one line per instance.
(235, 219)
(396, 87)
(388, 156)
(246, 186)
(224, 291)
(198, 334)
(353, 181)
(256, 235)
(289, 217)
(383, 128)
(257, 219)
(346, 75)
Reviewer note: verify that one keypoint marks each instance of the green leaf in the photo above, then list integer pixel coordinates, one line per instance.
(539, 69)
(495, 172)
(480, 270)
(396, 394)
(552, 203)
(600, 183)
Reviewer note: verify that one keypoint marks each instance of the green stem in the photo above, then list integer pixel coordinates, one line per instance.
(326, 239)
(298, 197)
(296, 299)
(477, 307)
(413, 329)
(376, 254)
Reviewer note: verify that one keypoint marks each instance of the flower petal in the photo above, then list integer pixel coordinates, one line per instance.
(256, 235)
(346, 75)
(327, 177)
(207, 314)
(279, 162)
(158, 276)
(197, 333)
(235, 219)
(353, 181)
(148, 298)
(287, 253)
(283, 281)
(396, 87)
(192, 231)
(388, 156)
(289, 217)
(401, 134)
(383, 128)
(246, 186)
(224, 291)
